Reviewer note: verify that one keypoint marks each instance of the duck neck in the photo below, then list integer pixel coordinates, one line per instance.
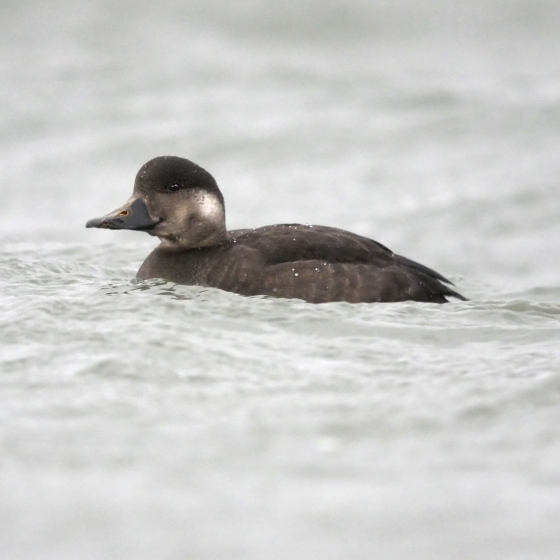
(199, 234)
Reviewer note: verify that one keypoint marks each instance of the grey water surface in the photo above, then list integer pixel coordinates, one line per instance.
(149, 420)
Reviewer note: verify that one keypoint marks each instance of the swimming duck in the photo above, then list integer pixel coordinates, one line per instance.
(180, 203)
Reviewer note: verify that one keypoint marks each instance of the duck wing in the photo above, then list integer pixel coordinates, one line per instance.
(320, 264)
(296, 242)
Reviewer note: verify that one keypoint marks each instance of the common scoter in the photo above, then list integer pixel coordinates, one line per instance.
(179, 202)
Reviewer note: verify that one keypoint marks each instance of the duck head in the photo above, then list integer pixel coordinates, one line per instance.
(173, 199)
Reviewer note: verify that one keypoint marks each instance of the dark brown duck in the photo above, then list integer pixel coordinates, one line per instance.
(181, 204)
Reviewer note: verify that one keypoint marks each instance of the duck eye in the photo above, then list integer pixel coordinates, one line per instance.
(173, 188)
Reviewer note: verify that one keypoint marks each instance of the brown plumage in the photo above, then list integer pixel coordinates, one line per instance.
(180, 203)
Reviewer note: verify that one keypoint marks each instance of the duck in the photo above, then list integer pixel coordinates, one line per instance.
(180, 203)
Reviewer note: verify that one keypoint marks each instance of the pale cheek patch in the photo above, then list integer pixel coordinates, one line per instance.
(209, 206)
(181, 215)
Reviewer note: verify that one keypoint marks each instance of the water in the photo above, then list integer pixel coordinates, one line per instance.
(160, 421)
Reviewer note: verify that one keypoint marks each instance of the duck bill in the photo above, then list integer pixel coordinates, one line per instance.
(133, 215)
